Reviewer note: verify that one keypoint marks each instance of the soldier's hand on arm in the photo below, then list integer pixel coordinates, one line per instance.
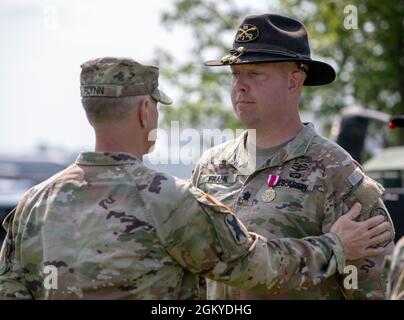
(360, 239)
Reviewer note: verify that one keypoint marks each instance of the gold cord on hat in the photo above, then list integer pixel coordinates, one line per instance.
(232, 58)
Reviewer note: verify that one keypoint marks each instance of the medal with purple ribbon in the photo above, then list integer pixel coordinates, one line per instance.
(270, 194)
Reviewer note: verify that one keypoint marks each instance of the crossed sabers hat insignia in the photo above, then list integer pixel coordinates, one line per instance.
(243, 32)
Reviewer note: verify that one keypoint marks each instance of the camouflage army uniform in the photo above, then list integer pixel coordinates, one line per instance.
(115, 229)
(396, 274)
(319, 181)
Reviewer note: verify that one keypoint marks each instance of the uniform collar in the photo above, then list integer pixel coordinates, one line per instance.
(105, 158)
(297, 147)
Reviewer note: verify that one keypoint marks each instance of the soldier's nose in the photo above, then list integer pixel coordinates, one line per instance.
(239, 84)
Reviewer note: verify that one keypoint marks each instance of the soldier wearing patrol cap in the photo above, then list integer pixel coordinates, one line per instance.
(289, 181)
(107, 227)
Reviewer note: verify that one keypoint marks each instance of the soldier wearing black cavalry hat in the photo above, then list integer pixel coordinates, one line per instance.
(289, 180)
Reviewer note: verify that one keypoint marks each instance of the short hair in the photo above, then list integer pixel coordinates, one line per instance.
(102, 109)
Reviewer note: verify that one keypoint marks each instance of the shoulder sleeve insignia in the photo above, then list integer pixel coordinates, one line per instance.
(235, 228)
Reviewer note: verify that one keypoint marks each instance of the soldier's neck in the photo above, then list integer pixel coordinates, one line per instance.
(275, 134)
(113, 143)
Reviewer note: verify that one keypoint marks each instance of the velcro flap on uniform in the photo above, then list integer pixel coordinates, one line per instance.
(367, 192)
(355, 177)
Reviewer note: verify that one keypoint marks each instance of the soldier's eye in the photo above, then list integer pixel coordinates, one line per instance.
(258, 76)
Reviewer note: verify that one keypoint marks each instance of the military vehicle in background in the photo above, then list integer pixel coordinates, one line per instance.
(386, 165)
(17, 175)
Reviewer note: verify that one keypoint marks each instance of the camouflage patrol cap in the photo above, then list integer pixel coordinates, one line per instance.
(120, 77)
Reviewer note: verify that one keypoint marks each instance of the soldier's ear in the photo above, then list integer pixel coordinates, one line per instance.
(143, 112)
(296, 79)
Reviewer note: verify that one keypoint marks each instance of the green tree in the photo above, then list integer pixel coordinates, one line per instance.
(204, 98)
(369, 59)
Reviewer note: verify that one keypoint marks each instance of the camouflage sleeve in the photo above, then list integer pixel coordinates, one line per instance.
(396, 273)
(195, 173)
(348, 189)
(11, 281)
(205, 237)
(202, 288)
(277, 266)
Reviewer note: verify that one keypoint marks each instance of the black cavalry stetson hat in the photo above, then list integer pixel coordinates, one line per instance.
(274, 38)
